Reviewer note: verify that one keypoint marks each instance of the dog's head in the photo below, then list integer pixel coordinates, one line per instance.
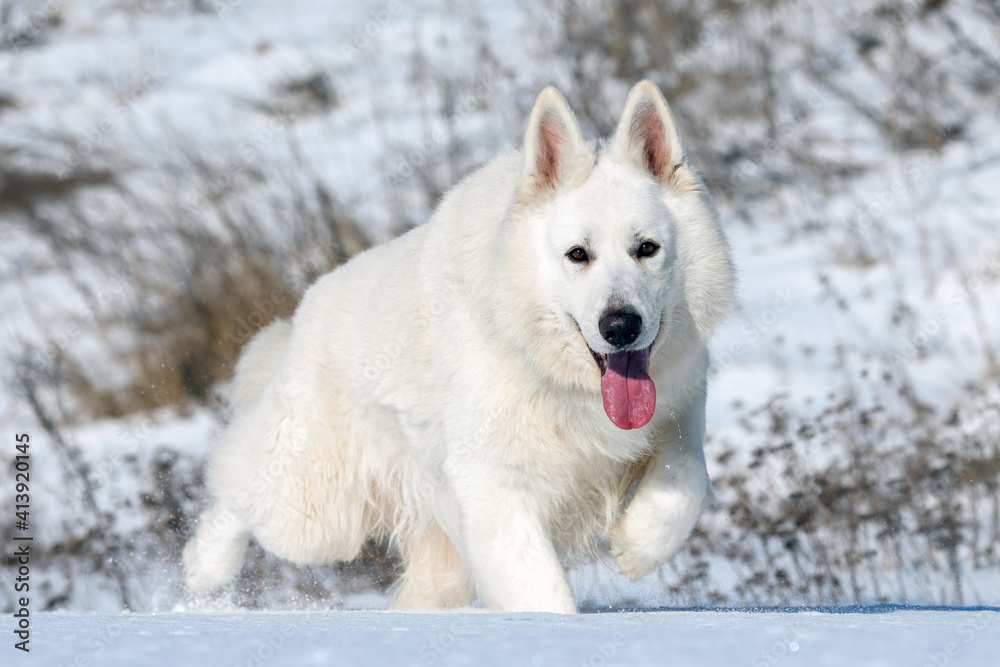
(619, 229)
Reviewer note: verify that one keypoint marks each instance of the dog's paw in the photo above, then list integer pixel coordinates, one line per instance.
(201, 575)
(215, 554)
(634, 561)
(652, 530)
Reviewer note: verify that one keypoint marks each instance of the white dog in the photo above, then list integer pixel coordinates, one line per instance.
(514, 382)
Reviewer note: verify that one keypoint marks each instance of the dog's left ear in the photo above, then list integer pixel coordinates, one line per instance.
(646, 134)
(554, 150)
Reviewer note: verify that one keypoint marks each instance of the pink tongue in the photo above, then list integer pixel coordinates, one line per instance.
(629, 394)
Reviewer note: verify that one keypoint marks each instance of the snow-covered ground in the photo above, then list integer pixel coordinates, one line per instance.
(906, 638)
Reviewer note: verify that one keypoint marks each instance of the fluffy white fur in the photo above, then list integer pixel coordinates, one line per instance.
(439, 388)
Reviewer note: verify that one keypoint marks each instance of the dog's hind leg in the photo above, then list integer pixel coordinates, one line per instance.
(215, 553)
(435, 576)
(259, 360)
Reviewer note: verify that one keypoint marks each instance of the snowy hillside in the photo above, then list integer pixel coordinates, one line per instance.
(174, 173)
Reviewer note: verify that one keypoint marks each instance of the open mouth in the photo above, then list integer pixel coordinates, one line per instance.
(601, 359)
(628, 392)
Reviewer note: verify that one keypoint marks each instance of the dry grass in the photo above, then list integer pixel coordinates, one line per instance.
(184, 287)
(881, 499)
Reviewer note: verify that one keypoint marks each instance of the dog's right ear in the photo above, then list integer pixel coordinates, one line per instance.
(554, 149)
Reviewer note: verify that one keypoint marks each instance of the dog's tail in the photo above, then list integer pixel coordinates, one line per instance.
(259, 360)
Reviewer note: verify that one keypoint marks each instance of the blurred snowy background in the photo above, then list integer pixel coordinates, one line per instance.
(173, 174)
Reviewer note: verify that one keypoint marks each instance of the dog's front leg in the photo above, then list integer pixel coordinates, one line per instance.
(508, 548)
(668, 499)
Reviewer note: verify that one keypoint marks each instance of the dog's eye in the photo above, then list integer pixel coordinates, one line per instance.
(578, 254)
(647, 249)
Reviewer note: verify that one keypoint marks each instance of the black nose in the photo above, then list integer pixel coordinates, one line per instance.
(620, 327)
